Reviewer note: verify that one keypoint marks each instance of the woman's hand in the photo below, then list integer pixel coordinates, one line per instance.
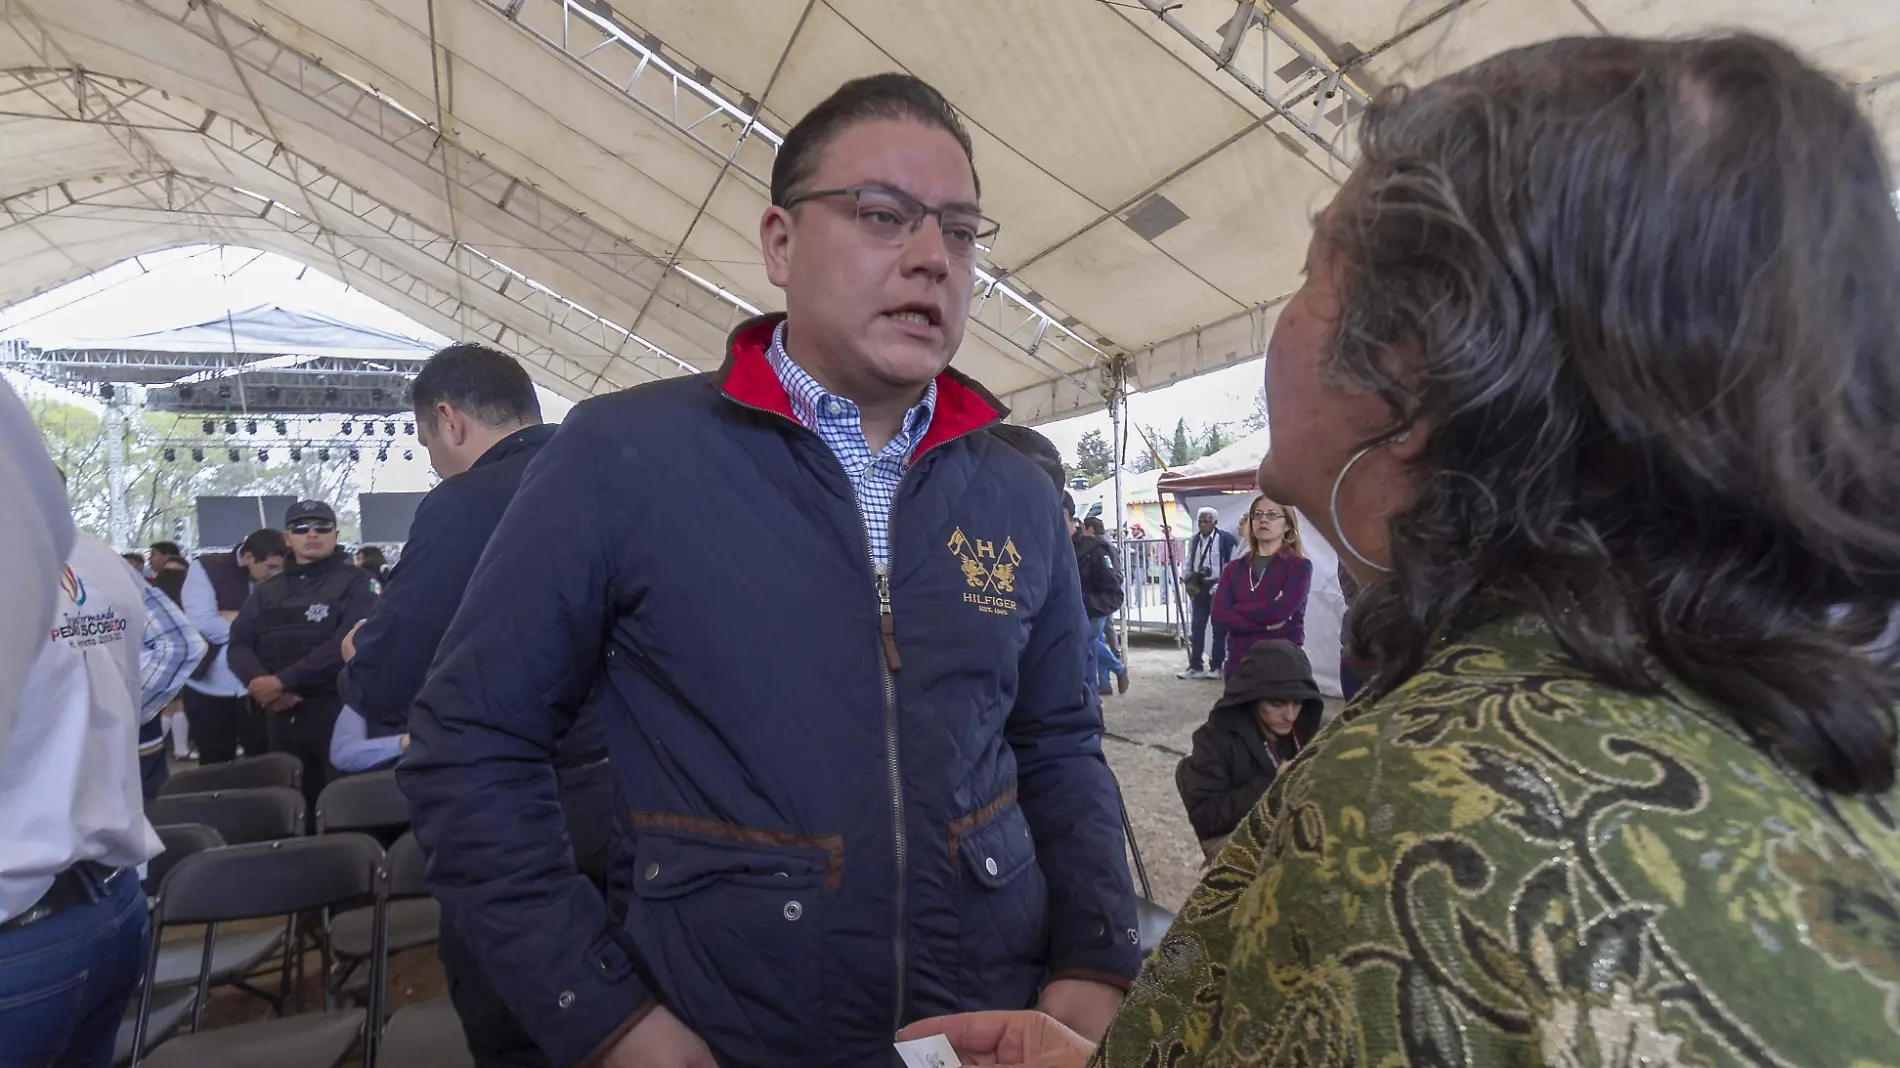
(1029, 1038)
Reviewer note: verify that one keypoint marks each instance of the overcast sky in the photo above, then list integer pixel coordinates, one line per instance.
(192, 285)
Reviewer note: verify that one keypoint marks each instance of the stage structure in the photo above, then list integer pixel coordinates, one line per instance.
(265, 364)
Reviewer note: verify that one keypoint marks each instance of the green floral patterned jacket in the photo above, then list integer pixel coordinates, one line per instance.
(1505, 862)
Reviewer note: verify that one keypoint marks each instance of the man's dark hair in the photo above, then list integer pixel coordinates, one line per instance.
(169, 548)
(263, 544)
(491, 387)
(1040, 450)
(1647, 295)
(135, 559)
(1094, 525)
(1068, 504)
(878, 98)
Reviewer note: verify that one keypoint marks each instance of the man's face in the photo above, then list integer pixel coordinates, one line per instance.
(872, 316)
(1207, 524)
(260, 570)
(311, 539)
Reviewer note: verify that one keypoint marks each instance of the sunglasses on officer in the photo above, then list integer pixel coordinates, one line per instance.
(313, 527)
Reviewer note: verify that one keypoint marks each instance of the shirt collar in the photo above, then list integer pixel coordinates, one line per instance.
(536, 434)
(813, 404)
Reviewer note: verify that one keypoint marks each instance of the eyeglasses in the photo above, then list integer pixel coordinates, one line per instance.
(891, 216)
(1265, 517)
(312, 528)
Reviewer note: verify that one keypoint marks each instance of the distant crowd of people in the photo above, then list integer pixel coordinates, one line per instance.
(1592, 380)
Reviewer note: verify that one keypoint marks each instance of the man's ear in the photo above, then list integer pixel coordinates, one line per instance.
(775, 241)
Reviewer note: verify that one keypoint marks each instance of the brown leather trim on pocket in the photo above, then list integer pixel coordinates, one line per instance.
(963, 825)
(831, 844)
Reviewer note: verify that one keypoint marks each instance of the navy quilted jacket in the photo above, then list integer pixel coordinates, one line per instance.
(836, 825)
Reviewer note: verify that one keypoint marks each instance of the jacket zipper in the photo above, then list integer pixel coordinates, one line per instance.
(887, 639)
(892, 663)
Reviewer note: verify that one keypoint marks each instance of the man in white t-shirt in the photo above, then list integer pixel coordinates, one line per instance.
(72, 824)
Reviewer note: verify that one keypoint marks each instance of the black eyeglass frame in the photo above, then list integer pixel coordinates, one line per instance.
(917, 209)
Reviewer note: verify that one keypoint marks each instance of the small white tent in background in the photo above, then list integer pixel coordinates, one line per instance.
(1225, 482)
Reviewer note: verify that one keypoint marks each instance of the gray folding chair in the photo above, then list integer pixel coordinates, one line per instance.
(259, 814)
(282, 878)
(370, 803)
(169, 1007)
(415, 919)
(247, 773)
(429, 1034)
(255, 814)
(181, 840)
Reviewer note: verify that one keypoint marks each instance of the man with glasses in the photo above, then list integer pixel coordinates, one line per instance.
(860, 763)
(286, 643)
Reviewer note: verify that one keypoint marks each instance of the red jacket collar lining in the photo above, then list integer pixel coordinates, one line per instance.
(749, 379)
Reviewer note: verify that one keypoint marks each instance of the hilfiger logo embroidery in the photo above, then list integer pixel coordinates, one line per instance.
(989, 570)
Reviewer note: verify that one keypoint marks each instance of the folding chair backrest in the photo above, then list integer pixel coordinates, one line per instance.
(181, 840)
(240, 816)
(369, 802)
(268, 769)
(273, 879)
(408, 868)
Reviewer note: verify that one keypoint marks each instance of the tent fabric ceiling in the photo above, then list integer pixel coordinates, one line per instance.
(579, 182)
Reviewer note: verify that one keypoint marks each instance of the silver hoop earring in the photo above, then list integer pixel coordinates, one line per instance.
(1339, 527)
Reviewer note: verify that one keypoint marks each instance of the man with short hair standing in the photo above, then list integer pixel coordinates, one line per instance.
(286, 643)
(479, 419)
(217, 705)
(1208, 552)
(861, 767)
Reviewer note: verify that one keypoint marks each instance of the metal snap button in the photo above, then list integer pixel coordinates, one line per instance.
(989, 865)
(793, 910)
(566, 1000)
(653, 872)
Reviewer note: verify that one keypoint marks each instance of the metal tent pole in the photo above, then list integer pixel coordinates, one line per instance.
(1118, 426)
(118, 522)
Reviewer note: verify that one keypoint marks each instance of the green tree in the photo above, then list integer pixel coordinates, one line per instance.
(160, 492)
(1215, 441)
(1093, 461)
(1181, 452)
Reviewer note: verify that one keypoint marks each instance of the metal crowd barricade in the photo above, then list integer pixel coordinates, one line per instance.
(1152, 601)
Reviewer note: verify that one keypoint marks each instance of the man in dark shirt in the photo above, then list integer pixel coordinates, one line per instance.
(477, 415)
(286, 643)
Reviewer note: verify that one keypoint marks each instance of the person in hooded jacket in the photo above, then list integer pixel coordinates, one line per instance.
(1267, 713)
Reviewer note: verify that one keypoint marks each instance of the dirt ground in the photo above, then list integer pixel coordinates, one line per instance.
(1147, 733)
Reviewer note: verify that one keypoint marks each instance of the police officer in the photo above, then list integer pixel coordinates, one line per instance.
(286, 643)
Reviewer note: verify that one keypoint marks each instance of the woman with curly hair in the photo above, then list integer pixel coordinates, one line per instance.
(1595, 381)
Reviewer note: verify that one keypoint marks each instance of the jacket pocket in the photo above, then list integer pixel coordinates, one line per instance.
(1003, 918)
(726, 915)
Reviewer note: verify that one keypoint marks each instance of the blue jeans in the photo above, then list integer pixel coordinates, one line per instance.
(1106, 665)
(1200, 621)
(66, 980)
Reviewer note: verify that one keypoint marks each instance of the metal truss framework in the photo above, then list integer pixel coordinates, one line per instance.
(584, 341)
(1272, 63)
(633, 66)
(536, 218)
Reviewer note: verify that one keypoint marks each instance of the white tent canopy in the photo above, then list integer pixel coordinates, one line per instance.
(579, 182)
(268, 329)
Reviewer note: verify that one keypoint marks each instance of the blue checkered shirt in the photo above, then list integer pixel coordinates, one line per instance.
(874, 477)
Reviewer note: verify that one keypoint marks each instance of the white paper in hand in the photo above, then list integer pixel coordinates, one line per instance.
(931, 1052)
